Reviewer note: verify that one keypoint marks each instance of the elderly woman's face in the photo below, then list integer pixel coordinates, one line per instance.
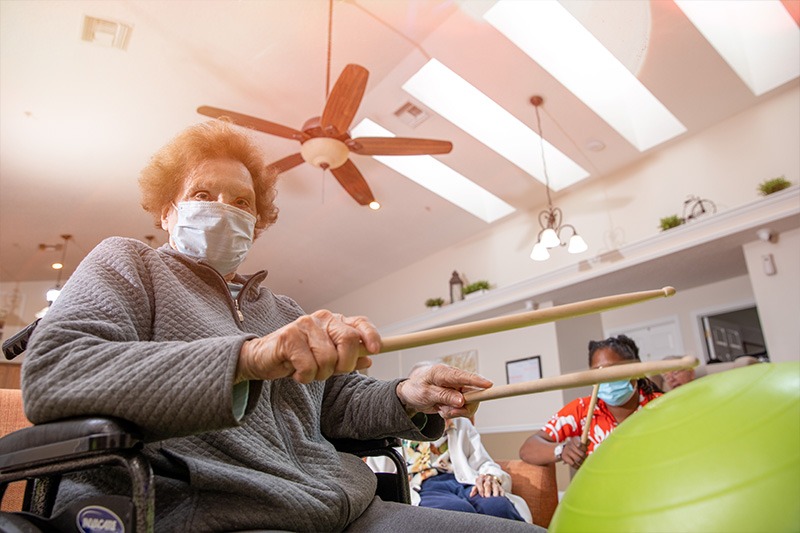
(677, 378)
(215, 180)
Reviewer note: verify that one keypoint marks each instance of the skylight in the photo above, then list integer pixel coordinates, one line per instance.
(438, 178)
(759, 40)
(455, 99)
(553, 38)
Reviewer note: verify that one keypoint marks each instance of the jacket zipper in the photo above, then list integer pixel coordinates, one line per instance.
(239, 313)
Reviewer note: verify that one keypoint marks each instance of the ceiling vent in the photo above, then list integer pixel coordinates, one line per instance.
(411, 115)
(106, 32)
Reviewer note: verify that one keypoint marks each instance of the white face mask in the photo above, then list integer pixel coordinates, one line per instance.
(218, 233)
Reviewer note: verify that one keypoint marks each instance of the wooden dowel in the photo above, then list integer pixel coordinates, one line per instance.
(581, 379)
(519, 320)
(590, 414)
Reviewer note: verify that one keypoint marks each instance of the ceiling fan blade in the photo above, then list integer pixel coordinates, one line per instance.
(345, 98)
(287, 163)
(397, 146)
(255, 123)
(353, 182)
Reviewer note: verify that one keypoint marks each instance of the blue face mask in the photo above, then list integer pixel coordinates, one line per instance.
(616, 393)
(218, 233)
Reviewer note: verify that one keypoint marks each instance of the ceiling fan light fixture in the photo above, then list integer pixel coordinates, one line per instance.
(324, 152)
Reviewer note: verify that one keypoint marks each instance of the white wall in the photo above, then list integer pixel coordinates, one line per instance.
(523, 413)
(686, 306)
(778, 296)
(724, 163)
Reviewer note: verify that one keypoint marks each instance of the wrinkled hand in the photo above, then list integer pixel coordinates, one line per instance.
(487, 486)
(438, 389)
(574, 452)
(313, 347)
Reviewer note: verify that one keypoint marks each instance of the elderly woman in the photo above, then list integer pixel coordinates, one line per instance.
(238, 383)
(560, 438)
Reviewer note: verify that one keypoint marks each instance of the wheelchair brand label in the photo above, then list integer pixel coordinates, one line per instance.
(98, 519)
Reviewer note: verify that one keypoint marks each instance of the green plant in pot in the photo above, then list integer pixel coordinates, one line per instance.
(773, 185)
(434, 302)
(670, 222)
(480, 285)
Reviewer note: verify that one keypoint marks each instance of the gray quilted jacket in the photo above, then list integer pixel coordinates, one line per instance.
(153, 337)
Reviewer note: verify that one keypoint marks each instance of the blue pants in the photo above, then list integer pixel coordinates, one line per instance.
(442, 491)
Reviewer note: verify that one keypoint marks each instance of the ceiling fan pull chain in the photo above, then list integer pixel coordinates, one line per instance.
(323, 186)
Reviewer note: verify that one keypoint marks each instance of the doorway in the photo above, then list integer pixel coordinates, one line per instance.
(733, 334)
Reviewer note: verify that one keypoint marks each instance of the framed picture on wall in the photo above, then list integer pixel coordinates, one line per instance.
(521, 370)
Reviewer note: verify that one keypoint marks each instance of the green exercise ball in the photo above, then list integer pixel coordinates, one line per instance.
(719, 454)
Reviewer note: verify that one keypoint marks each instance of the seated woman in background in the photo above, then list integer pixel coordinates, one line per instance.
(455, 472)
(560, 438)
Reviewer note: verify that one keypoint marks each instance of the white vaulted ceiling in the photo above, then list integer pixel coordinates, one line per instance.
(79, 120)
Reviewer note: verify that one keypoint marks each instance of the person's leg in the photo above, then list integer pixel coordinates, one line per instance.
(391, 517)
(498, 506)
(444, 492)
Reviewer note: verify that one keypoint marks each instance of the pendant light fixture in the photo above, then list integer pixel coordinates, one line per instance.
(551, 218)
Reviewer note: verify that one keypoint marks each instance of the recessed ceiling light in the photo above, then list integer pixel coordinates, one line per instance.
(438, 178)
(455, 99)
(552, 37)
(759, 40)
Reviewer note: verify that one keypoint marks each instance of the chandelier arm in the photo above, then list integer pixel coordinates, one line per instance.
(562, 228)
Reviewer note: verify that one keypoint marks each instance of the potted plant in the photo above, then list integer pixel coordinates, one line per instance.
(670, 222)
(478, 287)
(773, 185)
(434, 302)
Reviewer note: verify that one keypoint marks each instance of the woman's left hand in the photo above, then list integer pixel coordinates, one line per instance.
(487, 486)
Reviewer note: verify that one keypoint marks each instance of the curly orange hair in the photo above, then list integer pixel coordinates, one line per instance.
(162, 179)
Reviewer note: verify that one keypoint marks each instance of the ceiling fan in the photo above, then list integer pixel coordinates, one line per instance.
(326, 142)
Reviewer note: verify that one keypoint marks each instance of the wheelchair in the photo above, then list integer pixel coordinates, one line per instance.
(39, 455)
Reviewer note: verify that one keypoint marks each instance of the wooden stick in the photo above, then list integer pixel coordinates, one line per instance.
(581, 379)
(520, 320)
(590, 414)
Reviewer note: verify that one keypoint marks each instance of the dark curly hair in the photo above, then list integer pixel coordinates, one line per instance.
(626, 348)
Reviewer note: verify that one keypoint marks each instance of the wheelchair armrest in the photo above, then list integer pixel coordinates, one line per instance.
(391, 486)
(71, 438)
(365, 447)
(17, 343)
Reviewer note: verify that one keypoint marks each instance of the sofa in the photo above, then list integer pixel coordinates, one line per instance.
(536, 485)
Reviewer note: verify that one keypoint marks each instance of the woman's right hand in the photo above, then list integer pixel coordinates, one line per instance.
(312, 348)
(574, 452)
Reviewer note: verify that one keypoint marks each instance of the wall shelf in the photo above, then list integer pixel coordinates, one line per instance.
(701, 252)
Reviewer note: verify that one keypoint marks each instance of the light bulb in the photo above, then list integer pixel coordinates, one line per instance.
(539, 252)
(374, 205)
(52, 294)
(577, 244)
(549, 238)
